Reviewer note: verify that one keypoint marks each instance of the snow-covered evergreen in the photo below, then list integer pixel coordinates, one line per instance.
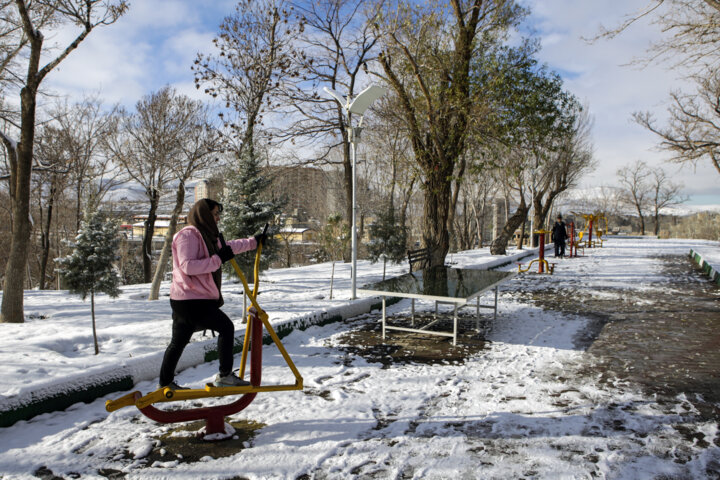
(89, 268)
(246, 209)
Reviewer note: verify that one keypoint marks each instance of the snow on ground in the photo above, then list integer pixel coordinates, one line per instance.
(519, 408)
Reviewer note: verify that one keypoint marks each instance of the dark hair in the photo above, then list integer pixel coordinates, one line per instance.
(559, 216)
(212, 204)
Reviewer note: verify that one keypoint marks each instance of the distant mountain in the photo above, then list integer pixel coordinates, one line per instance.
(607, 199)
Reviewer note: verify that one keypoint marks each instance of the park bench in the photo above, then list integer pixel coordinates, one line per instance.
(419, 257)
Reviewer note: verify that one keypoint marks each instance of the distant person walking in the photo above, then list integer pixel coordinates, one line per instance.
(198, 252)
(559, 235)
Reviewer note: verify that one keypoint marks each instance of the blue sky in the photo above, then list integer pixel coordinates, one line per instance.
(155, 43)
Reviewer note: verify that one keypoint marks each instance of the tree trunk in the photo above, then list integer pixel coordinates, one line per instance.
(481, 222)
(521, 239)
(405, 204)
(92, 312)
(12, 301)
(657, 222)
(436, 209)
(45, 235)
(499, 245)
(455, 195)
(78, 205)
(148, 236)
(167, 246)
(642, 225)
(537, 220)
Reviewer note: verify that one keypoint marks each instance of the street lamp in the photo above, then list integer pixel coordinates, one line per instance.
(358, 105)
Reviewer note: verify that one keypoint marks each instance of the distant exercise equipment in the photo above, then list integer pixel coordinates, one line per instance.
(573, 241)
(592, 221)
(543, 264)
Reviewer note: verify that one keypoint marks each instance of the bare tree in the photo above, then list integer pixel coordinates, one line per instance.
(91, 172)
(198, 142)
(692, 26)
(512, 167)
(388, 151)
(256, 56)
(147, 145)
(566, 163)
(692, 45)
(337, 43)
(50, 183)
(693, 131)
(87, 15)
(665, 193)
(635, 182)
(13, 41)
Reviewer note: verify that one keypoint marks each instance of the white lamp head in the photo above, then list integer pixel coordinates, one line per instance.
(338, 97)
(366, 98)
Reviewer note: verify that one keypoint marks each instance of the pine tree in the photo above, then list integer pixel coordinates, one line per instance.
(246, 210)
(89, 268)
(388, 239)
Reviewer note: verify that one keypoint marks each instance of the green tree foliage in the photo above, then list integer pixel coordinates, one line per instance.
(528, 106)
(89, 268)
(246, 209)
(388, 239)
(426, 56)
(535, 134)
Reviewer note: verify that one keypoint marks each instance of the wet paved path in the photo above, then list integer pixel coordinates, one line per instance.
(663, 335)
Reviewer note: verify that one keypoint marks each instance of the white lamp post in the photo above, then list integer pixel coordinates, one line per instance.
(358, 106)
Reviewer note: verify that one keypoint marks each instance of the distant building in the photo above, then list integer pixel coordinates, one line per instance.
(311, 193)
(208, 188)
(297, 234)
(162, 224)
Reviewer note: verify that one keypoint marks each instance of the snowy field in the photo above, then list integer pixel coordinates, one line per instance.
(519, 408)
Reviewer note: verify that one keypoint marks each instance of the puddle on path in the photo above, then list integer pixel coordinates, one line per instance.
(405, 347)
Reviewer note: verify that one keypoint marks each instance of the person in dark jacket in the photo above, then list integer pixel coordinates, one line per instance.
(559, 235)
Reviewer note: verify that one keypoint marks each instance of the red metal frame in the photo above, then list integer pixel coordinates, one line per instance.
(541, 253)
(573, 244)
(215, 416)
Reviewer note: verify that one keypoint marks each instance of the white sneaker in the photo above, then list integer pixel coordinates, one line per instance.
(230, 380)
(173, 386)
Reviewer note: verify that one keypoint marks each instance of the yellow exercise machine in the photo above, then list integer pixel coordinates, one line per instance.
(215, 416)
(592, 221)
(542, 263)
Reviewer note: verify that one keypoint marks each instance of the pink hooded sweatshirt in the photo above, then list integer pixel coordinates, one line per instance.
(193, 266)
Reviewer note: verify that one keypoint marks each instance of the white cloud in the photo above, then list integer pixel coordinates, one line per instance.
(153, 45)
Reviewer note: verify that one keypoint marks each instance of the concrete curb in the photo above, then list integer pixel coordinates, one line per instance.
(90, 385)
(708, 269)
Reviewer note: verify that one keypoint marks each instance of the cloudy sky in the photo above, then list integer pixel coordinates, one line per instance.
(156, 42)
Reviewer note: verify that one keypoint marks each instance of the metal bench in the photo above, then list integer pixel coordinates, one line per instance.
(420, 257)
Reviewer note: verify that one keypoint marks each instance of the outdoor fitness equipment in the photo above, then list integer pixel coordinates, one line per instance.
(215, 416)
(590, 219)
(573, 244)
(542, 263)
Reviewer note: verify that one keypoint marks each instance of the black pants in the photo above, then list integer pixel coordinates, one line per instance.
(560, 249)
(190, 316)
